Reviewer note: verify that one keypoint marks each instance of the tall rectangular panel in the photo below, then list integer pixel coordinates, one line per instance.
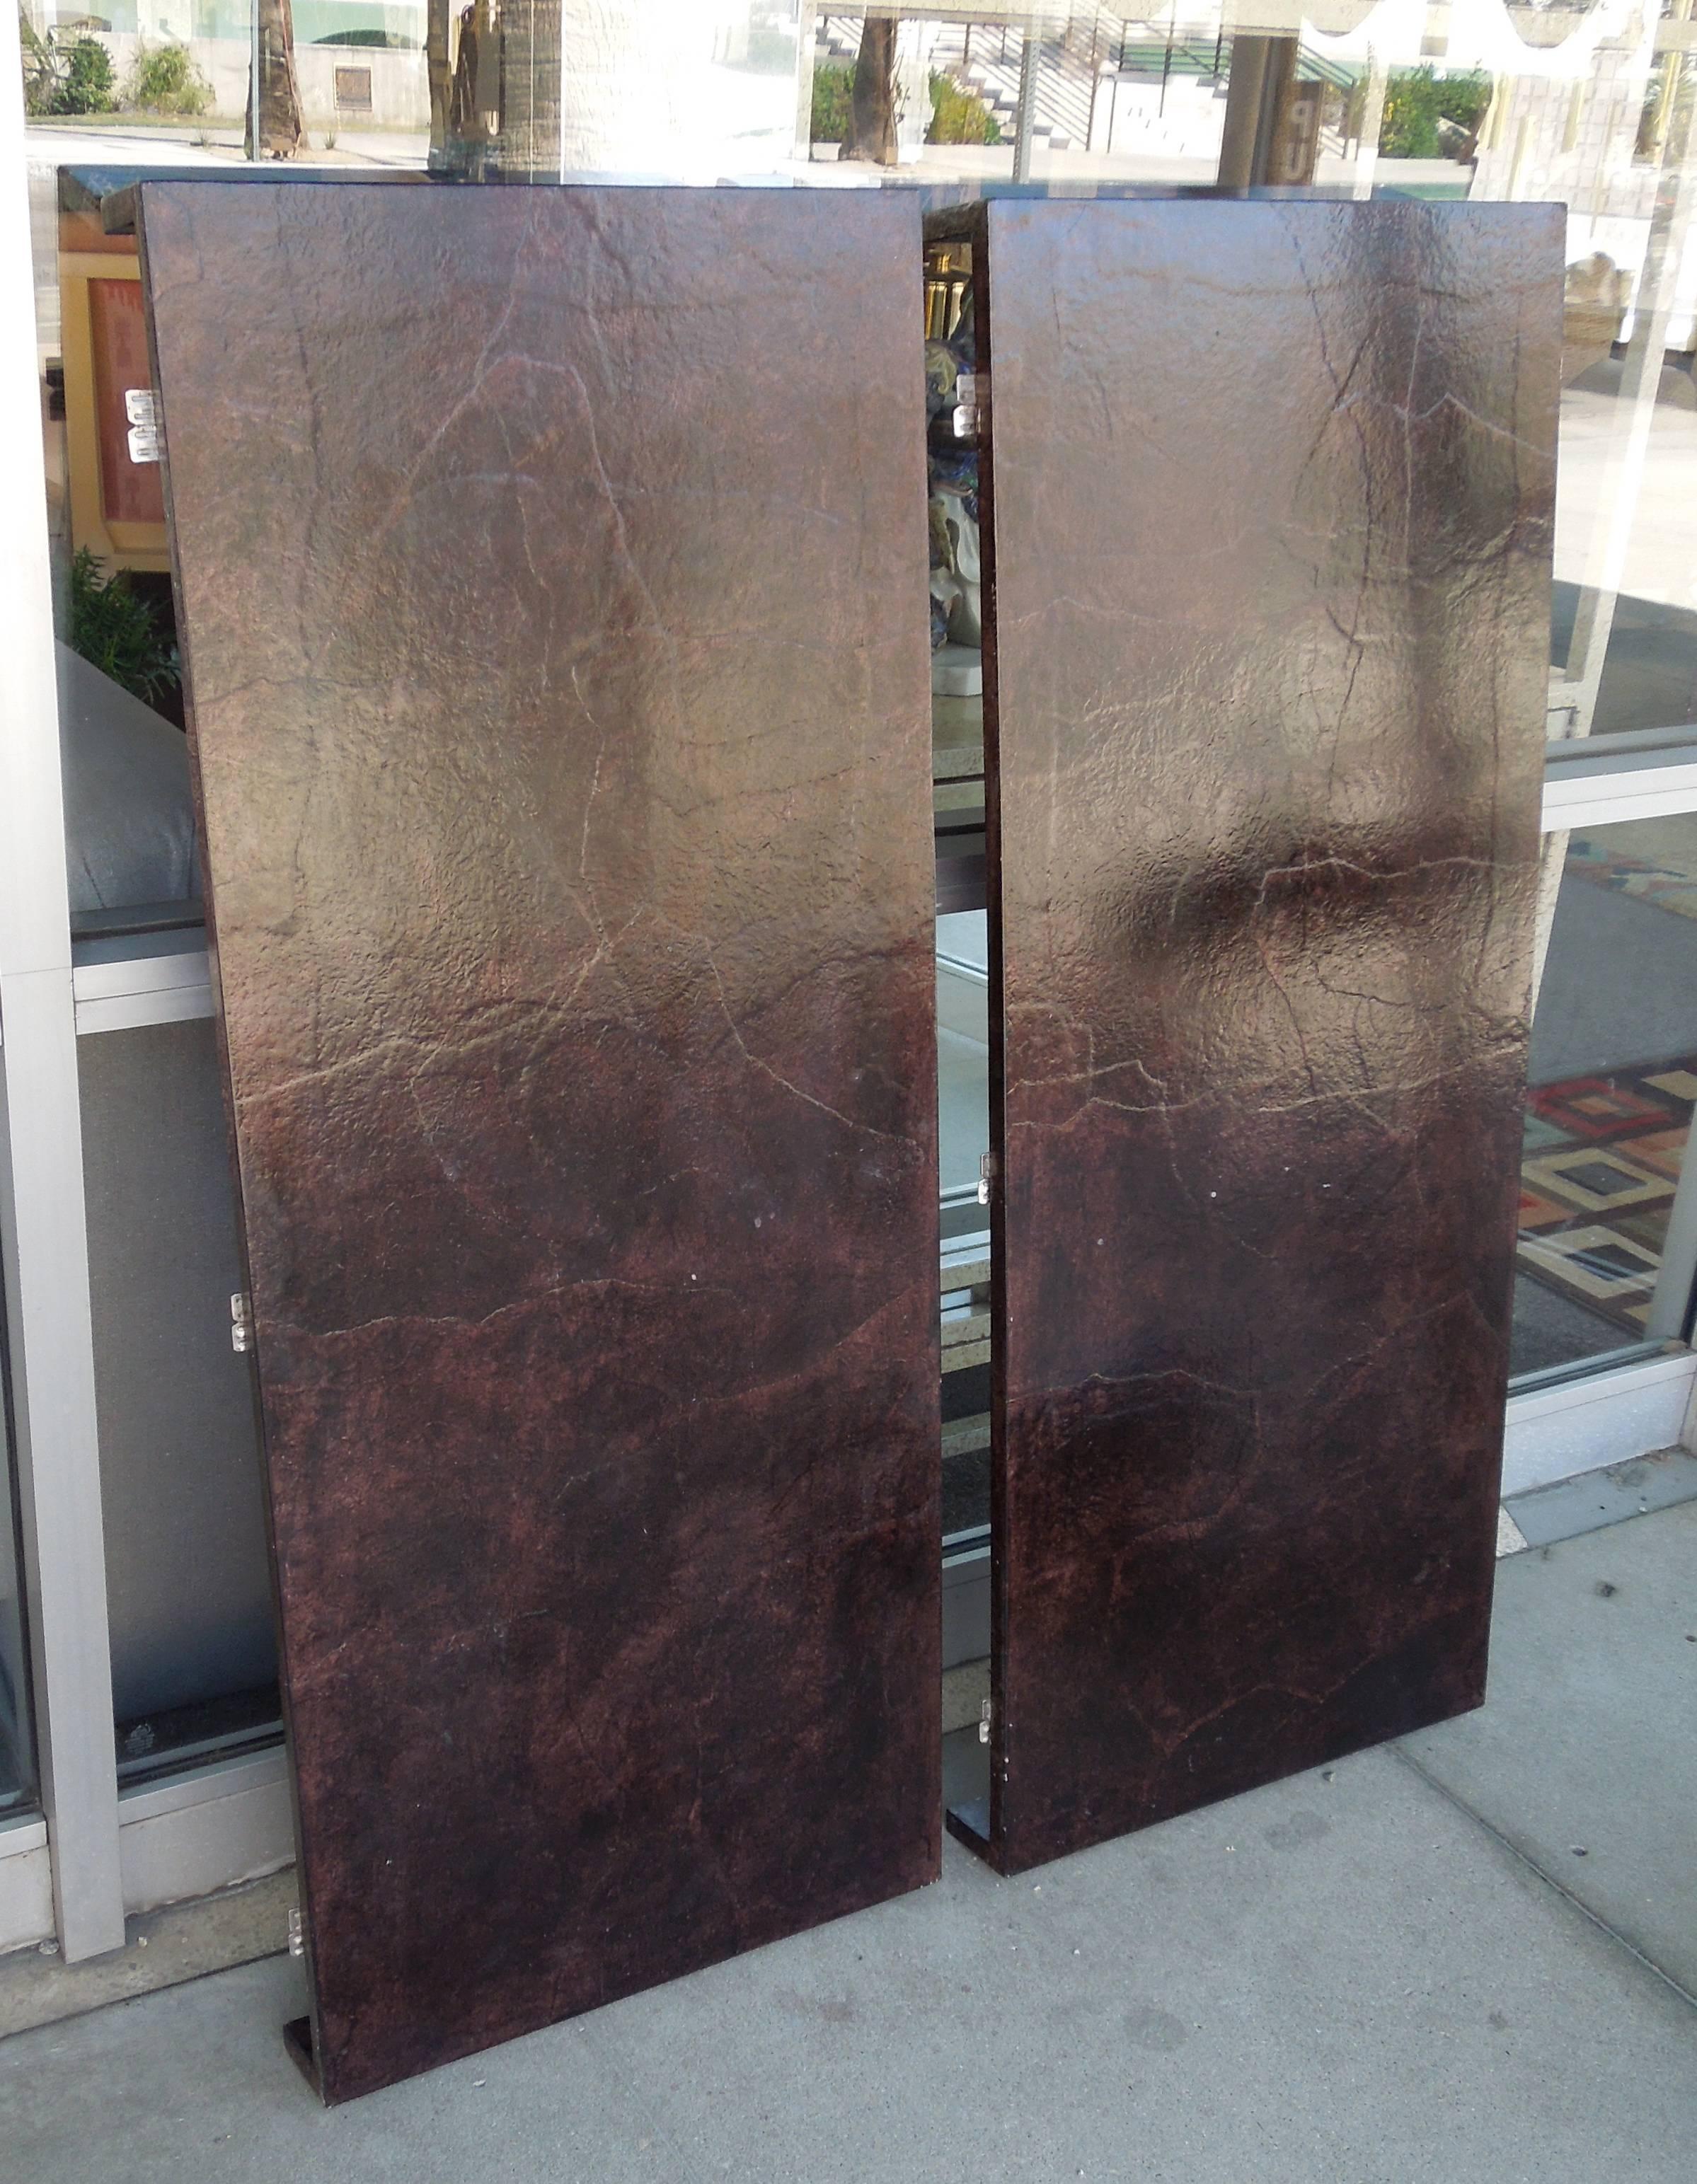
(1270, 489)
(552, 565)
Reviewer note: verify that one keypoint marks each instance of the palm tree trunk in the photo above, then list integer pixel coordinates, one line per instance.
(530, 89)
(871, 114)
(283, 133)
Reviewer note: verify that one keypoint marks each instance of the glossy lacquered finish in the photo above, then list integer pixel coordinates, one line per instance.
(552, 566)
(1270, 492)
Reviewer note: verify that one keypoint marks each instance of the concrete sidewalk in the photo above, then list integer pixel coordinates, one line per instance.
(1468, 1958)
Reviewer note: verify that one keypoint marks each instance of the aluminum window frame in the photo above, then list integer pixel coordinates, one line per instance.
(43, 1230)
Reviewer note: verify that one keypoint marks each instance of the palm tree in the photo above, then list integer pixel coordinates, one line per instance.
(283, 133)
(530, 87)
(872, 114)
(494, 74)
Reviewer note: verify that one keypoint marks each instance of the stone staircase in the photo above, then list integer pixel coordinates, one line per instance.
(986, 63)
(984, 59)
(837, 37)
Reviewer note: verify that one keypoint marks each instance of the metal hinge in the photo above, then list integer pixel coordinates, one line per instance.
(142, 412)
(986, 1176)
(241, 1322)
(984, 1723)
(972, 406)
(297, 1936)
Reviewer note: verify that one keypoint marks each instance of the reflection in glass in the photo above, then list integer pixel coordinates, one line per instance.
(1615, 144)
(1608, 1223)
(1591, 107)
(276, 114)
(637, 90)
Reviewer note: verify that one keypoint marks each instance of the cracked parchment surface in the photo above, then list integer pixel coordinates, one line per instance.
(552, 565)
(1271, 490)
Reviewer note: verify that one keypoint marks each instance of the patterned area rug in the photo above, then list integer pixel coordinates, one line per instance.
(1598, 1174)
(1660, 871)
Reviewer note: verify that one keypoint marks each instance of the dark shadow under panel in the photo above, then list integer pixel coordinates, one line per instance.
(1270, 509)
(552, 569)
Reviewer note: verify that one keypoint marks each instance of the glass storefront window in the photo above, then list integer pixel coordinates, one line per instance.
(1608, 1222)
(193, 1666)
(1591, 105)
(17, 1735)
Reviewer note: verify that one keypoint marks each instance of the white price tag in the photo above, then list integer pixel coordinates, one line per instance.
(139, 407)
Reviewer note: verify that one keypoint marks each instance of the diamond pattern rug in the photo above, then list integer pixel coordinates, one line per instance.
(1599, 1170)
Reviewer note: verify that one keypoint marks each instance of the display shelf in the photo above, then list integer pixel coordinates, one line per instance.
(124, 982)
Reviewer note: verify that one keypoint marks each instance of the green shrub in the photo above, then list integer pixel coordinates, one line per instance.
(90, 87)
(1416, 100)
(124, 635)
(833, 97)
(65, 75)
(167, 82)
(958, 118)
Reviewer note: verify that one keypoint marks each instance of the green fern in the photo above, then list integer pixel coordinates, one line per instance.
(121, 633)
